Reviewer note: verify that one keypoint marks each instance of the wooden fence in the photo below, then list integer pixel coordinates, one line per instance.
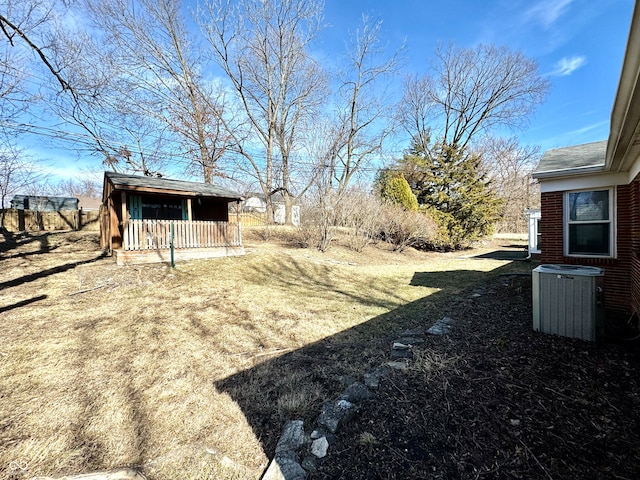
(156, 234)
(248, 219)
(32, 220)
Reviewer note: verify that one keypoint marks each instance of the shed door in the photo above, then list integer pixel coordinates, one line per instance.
(135, 207)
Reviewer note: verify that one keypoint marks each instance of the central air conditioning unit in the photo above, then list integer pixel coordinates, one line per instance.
(568, 301)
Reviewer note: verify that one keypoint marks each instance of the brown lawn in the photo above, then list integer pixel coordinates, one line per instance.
(191, 372)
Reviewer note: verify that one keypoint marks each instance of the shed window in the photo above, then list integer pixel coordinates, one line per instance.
(589, 229)
(162, 208)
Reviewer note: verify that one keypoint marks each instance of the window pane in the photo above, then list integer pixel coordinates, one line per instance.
(589, 206)
(590, 239)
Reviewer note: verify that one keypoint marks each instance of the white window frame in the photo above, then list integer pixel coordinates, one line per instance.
(611, 221)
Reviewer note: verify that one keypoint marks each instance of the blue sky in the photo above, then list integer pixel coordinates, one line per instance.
(579, 45)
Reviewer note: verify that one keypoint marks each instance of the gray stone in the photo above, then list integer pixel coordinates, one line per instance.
(321, 432)
(414, 332)
(400, 346)
(398, 365)
(285, 467)
(292, 437)
(441, 327)
(372, 378)
(335, 414)
(398, 354)
(357, 392)
(319, 447)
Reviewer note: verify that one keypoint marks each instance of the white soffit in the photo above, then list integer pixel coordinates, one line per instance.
(585, 182)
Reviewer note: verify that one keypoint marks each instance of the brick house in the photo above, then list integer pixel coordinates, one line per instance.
(590, 194)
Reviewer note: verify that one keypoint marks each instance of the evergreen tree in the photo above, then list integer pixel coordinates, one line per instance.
(394, 188)
(448, 183)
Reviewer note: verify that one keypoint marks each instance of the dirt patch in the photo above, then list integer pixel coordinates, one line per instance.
(496, 400)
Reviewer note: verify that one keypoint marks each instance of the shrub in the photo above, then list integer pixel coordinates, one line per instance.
(393, 188)
(402, 228)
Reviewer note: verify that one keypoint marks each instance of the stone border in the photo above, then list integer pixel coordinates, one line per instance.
(297, 454)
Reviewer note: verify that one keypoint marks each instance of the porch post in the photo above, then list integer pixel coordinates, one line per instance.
(125, 219)
(189, 215)
(238, 222)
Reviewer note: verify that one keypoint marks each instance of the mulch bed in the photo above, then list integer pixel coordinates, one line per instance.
(496, 400)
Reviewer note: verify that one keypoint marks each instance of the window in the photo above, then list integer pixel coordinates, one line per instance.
(589, 223)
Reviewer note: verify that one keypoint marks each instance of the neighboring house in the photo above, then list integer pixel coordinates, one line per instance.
(143, 216)
(590, 194)
(256, 202)
(89, 203)
(41, 203)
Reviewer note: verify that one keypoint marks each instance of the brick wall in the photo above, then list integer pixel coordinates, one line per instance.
(635, 246)
(621, 294)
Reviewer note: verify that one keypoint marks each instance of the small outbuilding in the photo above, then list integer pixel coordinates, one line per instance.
(144, 218)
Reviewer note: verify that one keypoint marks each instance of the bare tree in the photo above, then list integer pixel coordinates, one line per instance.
(469, 92)
(17, 172)
(158, 63)
(82, 186)
(355, 134)
(362, 118)
(262, 47)
(510, 165)
(21, 22)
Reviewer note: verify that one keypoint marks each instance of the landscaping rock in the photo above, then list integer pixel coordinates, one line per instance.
(414, 332)
(357, 392)
(398, 365)
(372, 378)
(400, 346)
(398, 354)
(441, 327)
(319, 447)
(292, 437)
(335, 413)
(285, 467)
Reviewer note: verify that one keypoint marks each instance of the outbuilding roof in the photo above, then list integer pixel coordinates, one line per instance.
(121, 181)
(573, 159)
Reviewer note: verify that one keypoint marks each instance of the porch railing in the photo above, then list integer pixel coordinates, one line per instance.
(156, 234)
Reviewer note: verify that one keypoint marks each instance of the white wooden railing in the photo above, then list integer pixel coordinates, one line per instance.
(156, 234)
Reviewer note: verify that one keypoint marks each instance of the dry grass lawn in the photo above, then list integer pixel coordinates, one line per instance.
(104, 366)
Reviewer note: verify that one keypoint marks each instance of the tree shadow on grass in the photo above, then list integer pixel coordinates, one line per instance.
(49, 271)
(23, 303)
(295, 385)
(14, 241)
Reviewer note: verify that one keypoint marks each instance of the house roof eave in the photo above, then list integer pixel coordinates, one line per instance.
(623, 148)
(569, 172)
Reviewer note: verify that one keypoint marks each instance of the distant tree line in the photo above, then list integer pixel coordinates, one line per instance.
(232, 92)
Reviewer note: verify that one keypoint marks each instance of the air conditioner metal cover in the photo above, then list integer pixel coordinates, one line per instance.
(570, 270)
(568, 301)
